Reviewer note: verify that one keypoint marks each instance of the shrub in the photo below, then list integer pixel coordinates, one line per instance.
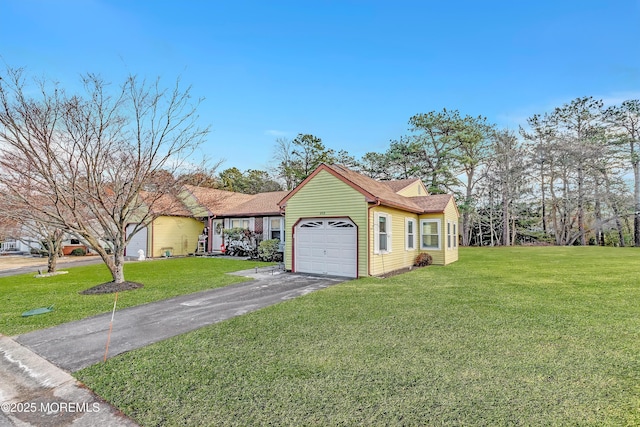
(423, 259)
(78, 252)
(268, 250)
(242, 242)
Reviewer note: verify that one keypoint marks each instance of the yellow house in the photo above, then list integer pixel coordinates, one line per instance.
(172, 231)
(219, 209)
(343, 223)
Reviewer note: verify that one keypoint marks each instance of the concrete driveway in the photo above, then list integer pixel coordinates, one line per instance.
(25, 375)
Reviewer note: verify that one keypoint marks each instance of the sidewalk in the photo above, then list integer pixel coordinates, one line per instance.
(34, 392)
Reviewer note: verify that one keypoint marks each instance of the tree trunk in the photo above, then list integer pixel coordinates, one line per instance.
(118, 272)
(505, 222)
(616, 210)
(583, 237)
(54, 243)
(554, 215)
(636, 203)
(597, 212)
(620, 230)
(115, 262)
(544, 202)
(52, 262)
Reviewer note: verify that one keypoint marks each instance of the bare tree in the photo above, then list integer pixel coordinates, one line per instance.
(283, 157)
(624, 121)
(27, 226)
(93, 162)
(541, 138)
(578, 123)
(506, 174)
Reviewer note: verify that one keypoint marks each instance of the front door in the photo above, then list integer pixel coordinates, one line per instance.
(216, 234)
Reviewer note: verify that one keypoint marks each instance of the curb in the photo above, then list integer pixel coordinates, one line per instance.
(34, 392)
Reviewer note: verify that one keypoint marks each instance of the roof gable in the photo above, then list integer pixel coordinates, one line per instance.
(381, 192)
(215, 201)
(163, 204)
(228, 203)
(397, 185)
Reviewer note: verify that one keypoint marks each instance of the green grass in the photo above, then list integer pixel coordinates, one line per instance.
(161, 279)
(505, 336)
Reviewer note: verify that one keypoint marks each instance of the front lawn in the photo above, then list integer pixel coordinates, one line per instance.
(163, 278)
(505, 336)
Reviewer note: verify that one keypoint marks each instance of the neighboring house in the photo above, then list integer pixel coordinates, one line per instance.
(12, 246)
(173, 231)
(69, 244)
(15, 238)
(220, 209)
(343, 223)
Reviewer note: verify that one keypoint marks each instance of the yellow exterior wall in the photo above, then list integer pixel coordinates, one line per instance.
(451, 215)
(445, 255)
(437, 255)
(413, 190)
(179, 235)
(326, 196)
(399, 257)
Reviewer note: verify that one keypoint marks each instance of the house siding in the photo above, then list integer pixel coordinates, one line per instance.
(413, 190)
(326, 196)
(451, 215)
(399, 257)
(445, 255)
(178, 235)
(437, 255)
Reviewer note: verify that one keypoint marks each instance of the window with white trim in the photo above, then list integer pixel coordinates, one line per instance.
(410, 226)
(382, 230)
(452, 235)
(240, 223)
(430, 234)
(455, 234)
(275, 229)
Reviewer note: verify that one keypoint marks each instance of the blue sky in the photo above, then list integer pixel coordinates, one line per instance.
(349, 72)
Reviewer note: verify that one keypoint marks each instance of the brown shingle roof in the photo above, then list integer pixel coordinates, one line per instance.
(259, 205)
(432, 203)
(398, 184)
(165, 204)
(217, 202)
(380, 191)
(228, 203)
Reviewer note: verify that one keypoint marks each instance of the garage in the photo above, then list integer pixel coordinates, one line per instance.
(138, 241)
(326, 246)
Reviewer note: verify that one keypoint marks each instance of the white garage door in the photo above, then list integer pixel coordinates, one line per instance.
(138, 241)
(327, 246)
